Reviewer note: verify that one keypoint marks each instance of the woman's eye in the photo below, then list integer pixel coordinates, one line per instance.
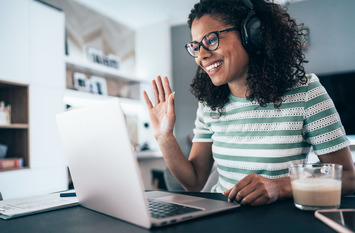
(212, 41)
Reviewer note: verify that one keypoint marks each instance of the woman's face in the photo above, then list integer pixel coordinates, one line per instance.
(230, 61)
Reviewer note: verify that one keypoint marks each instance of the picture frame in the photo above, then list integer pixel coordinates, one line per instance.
(80, 81)
(98, 56)
(98, 85)
(113, 61)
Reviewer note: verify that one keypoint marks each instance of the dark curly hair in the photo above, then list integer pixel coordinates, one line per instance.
(272, 73)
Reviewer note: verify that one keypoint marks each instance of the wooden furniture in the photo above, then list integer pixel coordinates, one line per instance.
(16, 134)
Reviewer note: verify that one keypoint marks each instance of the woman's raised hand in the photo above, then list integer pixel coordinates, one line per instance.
(162, 113)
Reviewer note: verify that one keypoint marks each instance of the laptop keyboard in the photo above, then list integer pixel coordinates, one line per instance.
(160, 209)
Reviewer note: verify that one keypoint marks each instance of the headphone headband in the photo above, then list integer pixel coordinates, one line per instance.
(248, 4)
(251, 31)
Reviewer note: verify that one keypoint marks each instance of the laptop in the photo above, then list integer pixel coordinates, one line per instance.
(106, 173)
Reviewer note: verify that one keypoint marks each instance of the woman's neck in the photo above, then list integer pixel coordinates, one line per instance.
(239, 88)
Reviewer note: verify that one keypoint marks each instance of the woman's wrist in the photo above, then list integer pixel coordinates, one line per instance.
(165, 139)
(285, 189)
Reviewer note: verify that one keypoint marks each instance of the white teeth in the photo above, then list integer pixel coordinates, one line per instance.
(213, 66)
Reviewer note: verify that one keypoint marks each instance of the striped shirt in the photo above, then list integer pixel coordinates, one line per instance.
(249, 139)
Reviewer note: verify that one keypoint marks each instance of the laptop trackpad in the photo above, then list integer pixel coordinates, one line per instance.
(172, 197)
(183, 199)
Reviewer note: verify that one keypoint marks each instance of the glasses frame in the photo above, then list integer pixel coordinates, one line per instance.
(204, 37)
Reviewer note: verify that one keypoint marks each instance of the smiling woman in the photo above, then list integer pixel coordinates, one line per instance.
(258, 113)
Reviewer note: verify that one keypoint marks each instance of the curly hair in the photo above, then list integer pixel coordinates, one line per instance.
(272, 73)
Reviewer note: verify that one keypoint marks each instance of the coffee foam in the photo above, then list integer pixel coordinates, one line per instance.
(316, 184)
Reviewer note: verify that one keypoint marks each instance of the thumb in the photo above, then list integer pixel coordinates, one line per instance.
(171, 108)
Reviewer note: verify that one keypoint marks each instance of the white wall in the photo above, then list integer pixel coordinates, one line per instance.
(153, 58)
(153, 51)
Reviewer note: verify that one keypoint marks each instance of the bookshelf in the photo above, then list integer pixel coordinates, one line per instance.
(16, 134)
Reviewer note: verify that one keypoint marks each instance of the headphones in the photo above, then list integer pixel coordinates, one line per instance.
(251, 31)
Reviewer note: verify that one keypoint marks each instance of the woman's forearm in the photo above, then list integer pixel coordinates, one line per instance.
(177, 162)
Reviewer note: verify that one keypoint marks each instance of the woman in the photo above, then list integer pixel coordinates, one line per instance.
(258, 111)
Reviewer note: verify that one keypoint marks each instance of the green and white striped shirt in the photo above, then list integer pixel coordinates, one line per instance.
(249, 139)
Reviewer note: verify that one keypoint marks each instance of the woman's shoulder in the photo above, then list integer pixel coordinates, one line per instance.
(303, 88)
(312, 78)
(311, 81)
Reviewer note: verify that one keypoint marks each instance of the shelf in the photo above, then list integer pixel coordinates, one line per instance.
(148, 154)
(13, 169)
(85, 98)
(100, 70)
(14, 126)
(79, 99)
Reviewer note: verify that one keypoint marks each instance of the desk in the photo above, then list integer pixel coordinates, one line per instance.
(281, 216)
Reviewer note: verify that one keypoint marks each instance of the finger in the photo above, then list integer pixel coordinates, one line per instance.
(226, 193)
(250, 197)
(147, 100)
(232, 194)
(155, 91)
(160, 90)
(243, 188)
(171, 108)
(262, 200)
(246, 191)
(166, 87)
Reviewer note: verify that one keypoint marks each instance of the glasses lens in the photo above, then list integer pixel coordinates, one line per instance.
(192, 48)
(210, 41)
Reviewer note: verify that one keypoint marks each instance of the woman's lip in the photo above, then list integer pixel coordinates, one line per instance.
(213, 65)
(215, 70)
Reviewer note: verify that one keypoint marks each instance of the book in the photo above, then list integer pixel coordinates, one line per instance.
(9, 163)
(15, 208)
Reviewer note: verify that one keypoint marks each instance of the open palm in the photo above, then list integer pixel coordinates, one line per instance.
(162, 114)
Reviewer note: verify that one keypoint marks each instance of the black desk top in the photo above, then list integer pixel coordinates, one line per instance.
(281, 216)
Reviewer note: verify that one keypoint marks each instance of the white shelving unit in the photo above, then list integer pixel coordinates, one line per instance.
(129, 84)
(100, 70)
(40, 70)
(132, 105)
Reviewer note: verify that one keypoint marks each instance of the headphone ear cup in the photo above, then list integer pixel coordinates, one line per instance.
(251, 35)
(254, 32)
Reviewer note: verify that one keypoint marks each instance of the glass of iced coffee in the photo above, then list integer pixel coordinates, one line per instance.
(316, 186)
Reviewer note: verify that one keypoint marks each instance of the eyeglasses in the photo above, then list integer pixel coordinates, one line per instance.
(209, 42)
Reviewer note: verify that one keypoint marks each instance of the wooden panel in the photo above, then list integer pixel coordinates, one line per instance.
(17, 142)
(17, 96)
(16, 135)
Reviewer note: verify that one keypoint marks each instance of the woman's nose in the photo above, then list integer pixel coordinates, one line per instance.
(203, 53)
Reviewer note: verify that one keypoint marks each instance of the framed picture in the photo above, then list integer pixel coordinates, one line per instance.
(113, 61)
(98, 85)
(81, 83)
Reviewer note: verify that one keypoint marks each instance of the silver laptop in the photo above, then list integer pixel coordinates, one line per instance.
(106, 174)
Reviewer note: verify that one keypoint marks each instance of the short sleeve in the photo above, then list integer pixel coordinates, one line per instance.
(322, 125)
(202, 131)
